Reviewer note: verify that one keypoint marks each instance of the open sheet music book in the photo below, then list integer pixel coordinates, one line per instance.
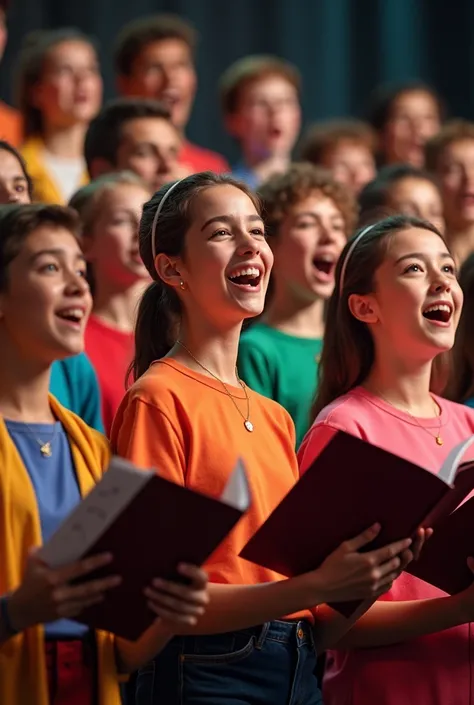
(150, 525)
(350, 486)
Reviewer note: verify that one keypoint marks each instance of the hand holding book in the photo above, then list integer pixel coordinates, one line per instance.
(348, 574)
(118, 517)
(46, 594)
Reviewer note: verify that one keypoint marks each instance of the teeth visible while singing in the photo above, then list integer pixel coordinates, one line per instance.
(73, 312)
(438, 307)
(248, 272)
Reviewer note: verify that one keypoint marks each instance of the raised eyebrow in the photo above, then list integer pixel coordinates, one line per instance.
(422, 256)
(55, 252)
(228, 219)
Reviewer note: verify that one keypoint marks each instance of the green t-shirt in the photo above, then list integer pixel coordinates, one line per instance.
(282, 367)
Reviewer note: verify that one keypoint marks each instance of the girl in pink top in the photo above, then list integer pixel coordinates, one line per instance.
(395, 308)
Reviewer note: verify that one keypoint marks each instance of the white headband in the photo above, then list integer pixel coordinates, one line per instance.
(349, 254)
(158, 211)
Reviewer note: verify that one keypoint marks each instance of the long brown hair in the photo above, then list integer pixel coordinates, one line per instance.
(461, 384)
(31, 63)
(348, 349)
(159, 311)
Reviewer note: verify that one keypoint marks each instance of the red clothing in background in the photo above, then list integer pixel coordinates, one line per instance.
(201, 159)
(11, 125)
(110, 351)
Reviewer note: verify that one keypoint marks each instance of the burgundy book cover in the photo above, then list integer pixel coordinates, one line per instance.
(164, 525)
(443, 561)
(351, 485)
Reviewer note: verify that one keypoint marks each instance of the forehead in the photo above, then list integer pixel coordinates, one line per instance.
(49, 236)
(316, 202)
(415, 240)
(69, 49)
(154, 130)
(410, 186)
(270, 84)
(414, 101)
(349, 146)
(124, 195)
(222, 199)
(461, 150)
(9, 162)
(164, 50)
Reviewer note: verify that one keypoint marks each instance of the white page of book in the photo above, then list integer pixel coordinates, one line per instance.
(237, 491)
(93, 516)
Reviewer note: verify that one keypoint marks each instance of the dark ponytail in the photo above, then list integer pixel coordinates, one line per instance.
(155, 329)
(159, 312)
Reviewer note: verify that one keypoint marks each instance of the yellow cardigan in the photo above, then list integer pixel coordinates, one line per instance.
(22, 661)
(45, 189)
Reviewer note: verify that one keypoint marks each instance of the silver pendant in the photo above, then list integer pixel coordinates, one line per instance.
(248, 425)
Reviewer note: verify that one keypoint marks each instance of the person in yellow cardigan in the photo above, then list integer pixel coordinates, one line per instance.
(59, 92)
(49, 458)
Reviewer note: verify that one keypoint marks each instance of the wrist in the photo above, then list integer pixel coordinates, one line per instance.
(9, 623)
(310, 590)
(462, 607)
(15, 613)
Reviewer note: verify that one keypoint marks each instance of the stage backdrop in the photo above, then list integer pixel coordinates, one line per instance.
(343, 48)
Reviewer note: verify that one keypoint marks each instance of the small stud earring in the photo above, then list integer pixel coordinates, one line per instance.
(182, 285)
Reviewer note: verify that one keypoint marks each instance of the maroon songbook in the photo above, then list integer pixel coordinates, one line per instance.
(351, 485)
(443, 561)
(150, 525)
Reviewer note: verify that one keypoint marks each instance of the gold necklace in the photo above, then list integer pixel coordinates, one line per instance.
(437, 437)
(247, 423)
(46, 447)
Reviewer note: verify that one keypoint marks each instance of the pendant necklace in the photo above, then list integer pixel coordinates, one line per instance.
(46, 447)
(438, 439)
(247, 423)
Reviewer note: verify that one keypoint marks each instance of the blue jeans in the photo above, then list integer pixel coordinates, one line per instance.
(268, 665)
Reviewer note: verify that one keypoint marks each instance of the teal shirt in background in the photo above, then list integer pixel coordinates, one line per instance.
(74, 384)
(470, 402)
(282, 367)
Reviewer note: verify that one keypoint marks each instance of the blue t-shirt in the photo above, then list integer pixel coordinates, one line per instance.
(245, 174)
(74, 384)
(56, 489)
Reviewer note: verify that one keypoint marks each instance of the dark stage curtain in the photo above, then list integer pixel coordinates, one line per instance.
(343, 48)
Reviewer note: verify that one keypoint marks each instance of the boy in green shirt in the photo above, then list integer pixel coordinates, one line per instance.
(309, 217)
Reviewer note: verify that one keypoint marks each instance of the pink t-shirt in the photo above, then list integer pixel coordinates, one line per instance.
(432, 670)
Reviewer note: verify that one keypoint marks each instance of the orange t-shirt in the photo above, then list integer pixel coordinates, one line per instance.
(185, 425)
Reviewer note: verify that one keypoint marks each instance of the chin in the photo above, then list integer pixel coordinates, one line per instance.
(254, 313)
(442, 343)
(322, 291)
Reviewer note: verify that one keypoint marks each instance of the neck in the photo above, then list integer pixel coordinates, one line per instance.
(216, 350)
(24, 387)
(401, 382)
(461, 242)
(117, 306)
(67, 142)
(265, 165)
(292, 315)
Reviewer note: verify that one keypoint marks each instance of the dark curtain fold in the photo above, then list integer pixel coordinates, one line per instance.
(343, 48)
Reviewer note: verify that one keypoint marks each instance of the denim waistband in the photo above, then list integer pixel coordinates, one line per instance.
(284, 632)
